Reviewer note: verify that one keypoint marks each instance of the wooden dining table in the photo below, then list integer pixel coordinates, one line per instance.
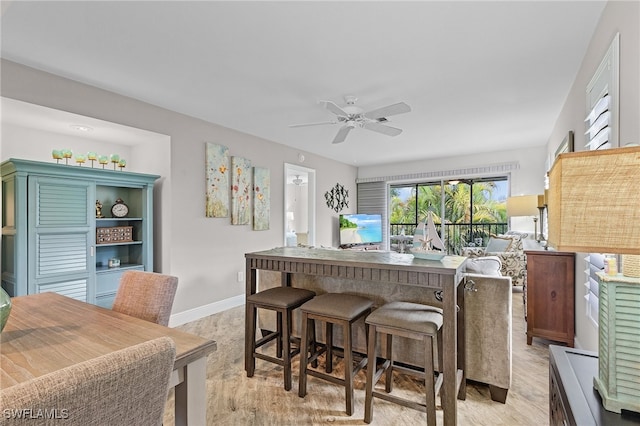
(47, 332)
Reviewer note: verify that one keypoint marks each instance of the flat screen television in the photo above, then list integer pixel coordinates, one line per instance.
(360, 229)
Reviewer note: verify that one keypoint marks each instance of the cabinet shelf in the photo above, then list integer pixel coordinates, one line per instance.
(104, 269)
(127, 243)
(116, 219)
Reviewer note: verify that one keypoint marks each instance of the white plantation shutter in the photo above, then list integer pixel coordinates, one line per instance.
(598, 120)
(595, 263)
(601, 125)
(598, 134)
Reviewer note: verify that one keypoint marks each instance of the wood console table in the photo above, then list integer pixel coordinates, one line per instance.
(385, 267)
(573, 400)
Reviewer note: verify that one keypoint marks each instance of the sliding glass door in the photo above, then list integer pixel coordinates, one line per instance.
(465, 211)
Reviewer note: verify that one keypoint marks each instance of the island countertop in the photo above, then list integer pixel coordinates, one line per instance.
(393, 267)
(383, 267)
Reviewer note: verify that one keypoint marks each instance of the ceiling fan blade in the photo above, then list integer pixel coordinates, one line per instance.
(334, 108)
(399, 108)
(313, 124)
(381, 128)
(342, 134)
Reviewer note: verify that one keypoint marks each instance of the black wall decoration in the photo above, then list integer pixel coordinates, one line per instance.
(337, 198)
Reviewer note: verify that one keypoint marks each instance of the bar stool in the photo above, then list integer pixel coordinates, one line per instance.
(413, 321)
(283, 300)
(332, 308)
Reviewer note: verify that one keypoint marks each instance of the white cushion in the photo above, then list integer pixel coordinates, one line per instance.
(487, 265)
(522, 235)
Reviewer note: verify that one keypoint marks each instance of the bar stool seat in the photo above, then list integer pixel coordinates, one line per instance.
(413, 321)
(332, 308)
(282, 300)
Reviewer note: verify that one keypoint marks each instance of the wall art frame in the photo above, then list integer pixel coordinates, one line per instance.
(337, 198)
(566, 145)
(217, 180)
(261, 198)
(240, 190)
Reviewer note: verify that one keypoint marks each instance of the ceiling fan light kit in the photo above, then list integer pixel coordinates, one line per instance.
(352, 116)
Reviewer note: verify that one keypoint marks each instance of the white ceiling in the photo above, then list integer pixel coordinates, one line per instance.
(50, 120)
(479, 76)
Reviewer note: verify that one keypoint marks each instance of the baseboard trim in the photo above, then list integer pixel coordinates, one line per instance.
(206, 310)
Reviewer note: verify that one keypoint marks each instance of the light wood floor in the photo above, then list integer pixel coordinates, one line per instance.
(235, 399)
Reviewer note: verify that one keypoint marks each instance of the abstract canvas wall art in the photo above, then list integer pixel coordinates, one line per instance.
(217, 180)
(261, 198)
(240, 191)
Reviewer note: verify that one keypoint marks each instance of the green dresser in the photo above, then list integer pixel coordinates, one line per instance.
(50, 228)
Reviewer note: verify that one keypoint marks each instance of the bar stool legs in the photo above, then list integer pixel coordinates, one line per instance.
(282, 300)
(338, 309)
(410, 320)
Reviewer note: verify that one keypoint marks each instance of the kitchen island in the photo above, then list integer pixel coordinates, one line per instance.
(377, 270)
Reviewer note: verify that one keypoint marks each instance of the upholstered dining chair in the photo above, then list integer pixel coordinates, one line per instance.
(146, 295)
(125, 387)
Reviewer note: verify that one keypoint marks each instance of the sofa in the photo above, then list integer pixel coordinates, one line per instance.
(488, 325)
(488, 319)
(509, 247)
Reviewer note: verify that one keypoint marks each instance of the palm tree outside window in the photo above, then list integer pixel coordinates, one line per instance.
(472, 209)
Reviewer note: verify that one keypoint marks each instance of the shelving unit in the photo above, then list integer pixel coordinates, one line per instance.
(129, 253)
(49, 227)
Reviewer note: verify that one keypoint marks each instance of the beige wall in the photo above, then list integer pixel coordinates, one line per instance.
(527, 179)
(205, 253)
(622, 17)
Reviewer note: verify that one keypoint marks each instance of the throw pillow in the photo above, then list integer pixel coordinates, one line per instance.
(498, 244)
(520, 234)
(516, 243)
(487, 265)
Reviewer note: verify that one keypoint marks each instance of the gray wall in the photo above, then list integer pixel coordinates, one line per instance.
(205, 253)
(622, 17)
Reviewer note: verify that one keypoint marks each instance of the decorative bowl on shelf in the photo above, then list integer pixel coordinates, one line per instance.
(427, 254)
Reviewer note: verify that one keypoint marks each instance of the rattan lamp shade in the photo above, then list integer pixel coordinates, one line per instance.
(594, 201)
(522, 205)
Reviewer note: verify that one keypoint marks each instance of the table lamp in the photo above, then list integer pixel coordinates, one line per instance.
(594, 207)
(524, 205)
(542, 205)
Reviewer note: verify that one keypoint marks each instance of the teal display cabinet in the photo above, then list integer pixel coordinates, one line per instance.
(50, 228)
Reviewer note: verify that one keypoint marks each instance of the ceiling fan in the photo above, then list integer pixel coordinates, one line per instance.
(352, 116)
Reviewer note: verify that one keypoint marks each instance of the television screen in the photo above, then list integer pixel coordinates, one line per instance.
(360, 229)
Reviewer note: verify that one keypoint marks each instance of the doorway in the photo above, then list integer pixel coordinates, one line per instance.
(299, 205)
